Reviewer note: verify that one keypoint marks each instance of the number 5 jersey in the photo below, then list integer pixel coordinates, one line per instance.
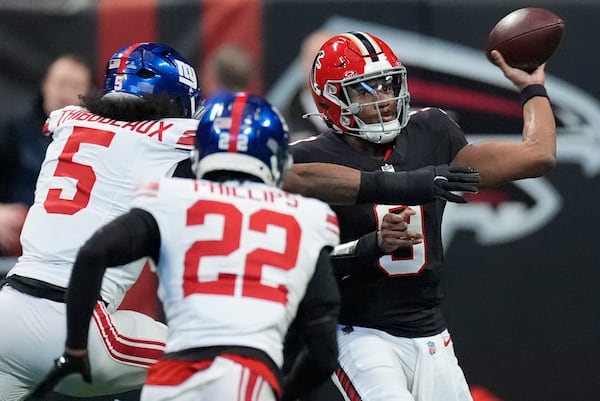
(88, 177)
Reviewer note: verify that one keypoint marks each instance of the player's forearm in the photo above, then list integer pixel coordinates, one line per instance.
(501, 162)
(331, 183)
(539, 134)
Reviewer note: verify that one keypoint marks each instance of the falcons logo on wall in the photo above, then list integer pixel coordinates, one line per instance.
(486, 105)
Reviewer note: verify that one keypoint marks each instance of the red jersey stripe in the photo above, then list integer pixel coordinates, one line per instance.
(125, 57)
(172, 373)
(187, 139)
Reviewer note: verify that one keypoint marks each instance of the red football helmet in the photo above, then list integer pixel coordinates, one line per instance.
(356, 64)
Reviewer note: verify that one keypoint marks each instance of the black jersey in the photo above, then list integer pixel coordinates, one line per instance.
(398, 293)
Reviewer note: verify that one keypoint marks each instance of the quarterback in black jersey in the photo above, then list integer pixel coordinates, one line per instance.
(389, 189)
(408, 304)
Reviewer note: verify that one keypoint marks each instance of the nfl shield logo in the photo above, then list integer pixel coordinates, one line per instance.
(431, 347)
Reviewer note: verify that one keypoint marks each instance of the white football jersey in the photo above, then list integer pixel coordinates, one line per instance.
(235, 259)
(88, 177)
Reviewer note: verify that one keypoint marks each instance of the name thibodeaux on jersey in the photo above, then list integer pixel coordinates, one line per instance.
(149, 127)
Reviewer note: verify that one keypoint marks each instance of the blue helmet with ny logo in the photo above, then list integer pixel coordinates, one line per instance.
(150, 69)
(243, 133)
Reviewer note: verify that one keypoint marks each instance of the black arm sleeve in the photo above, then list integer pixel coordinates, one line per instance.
(349, 258)
(417, 186)
(316, 321)
(406, 187)
(125, 239)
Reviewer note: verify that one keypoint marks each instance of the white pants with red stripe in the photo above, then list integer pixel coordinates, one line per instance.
(221, 379)
(376, 366)
(122, 345)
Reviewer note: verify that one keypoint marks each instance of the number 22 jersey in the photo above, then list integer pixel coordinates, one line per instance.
(235, 259)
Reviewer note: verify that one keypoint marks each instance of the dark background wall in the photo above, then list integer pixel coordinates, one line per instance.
(522, 274)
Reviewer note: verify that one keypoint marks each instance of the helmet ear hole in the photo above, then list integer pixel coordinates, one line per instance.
(145, 73)
(178, 104)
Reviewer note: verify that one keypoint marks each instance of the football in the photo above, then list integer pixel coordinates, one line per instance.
(526, 37)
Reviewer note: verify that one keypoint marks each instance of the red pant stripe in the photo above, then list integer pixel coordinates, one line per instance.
(122, 348)
(347, 385)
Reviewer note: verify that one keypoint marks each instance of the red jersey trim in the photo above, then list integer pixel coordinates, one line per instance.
(258, 367)
(169, 372)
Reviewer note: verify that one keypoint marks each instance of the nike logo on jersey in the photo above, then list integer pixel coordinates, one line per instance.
(447, 341)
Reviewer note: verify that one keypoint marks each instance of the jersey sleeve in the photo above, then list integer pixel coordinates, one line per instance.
(437, 133)
(301, 151)
(456, 136)
(332, 228)
(316, 149)
(178, 133)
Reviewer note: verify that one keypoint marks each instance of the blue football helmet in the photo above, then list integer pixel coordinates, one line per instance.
(242, 132)
(146, 69)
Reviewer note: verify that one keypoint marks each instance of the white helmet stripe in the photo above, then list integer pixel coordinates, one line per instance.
(365, 43)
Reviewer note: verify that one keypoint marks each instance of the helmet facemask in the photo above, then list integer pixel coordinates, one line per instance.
(375, 90)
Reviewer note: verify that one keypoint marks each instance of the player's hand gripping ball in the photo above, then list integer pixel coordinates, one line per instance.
(526, 37)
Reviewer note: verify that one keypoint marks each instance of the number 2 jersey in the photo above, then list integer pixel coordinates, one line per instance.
(235, 260)
(399, 293)
(88, 177)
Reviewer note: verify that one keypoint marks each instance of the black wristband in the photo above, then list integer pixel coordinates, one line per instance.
(532, 91)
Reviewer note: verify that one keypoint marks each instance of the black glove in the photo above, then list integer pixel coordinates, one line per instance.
(63, 366)
(454, 178)
(418, 186)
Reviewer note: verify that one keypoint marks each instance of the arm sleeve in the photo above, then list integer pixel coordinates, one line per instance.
(316, 321)
(351, 257)
(125, 239)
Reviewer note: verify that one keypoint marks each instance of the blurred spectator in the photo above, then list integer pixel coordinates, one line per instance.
(12, 217)
(302, 102)
(230, 68)
(23, 147)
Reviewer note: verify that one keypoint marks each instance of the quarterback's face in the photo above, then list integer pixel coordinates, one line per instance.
(372, 95)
